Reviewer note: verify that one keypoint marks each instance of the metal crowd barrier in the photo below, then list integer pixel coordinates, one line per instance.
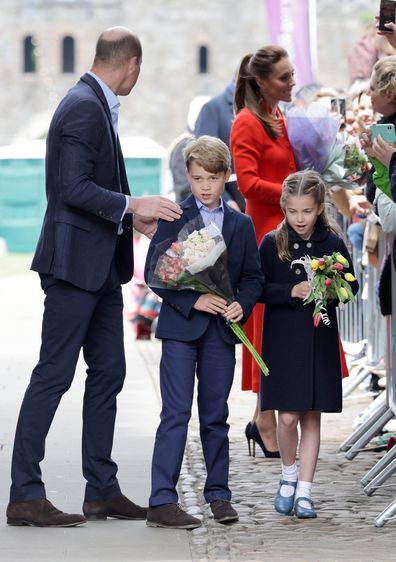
(363, 321)
(386, 466)
(381, 347)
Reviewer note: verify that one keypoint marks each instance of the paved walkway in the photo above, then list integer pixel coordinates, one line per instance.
(343, 531)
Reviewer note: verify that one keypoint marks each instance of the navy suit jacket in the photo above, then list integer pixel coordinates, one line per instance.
(178, 319)
(85, 183)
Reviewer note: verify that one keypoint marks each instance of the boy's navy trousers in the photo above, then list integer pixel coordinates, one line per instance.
(213, 361)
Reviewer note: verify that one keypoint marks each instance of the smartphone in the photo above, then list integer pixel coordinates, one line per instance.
(386, 130)
(337, 105)
(387, 14)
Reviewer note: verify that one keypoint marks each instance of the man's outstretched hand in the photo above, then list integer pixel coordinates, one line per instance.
(156, 207)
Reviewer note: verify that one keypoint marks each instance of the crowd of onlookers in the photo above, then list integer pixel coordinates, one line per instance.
(353, 108)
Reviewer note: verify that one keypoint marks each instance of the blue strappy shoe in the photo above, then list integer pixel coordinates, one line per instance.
(304, 512)
(284, 504)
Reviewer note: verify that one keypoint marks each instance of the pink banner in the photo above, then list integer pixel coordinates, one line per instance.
(288, 24)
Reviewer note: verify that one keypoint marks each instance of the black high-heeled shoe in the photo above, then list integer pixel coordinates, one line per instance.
(249, 437)
(256, 437)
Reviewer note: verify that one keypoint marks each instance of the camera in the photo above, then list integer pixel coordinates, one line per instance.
(337, 105)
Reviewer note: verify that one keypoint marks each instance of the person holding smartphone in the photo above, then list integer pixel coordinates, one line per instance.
(385, 153)
(383, 98)
(389, 35)
(385, 22)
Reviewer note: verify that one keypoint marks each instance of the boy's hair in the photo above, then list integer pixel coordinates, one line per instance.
(385, 76)
(306, 182)
(211, 153)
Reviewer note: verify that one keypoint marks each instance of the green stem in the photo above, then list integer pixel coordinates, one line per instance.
(240, 333)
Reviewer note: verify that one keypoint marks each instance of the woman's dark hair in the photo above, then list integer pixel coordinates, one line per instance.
(247, 91)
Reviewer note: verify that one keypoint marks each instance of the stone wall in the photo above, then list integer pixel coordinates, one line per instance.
(171, 32)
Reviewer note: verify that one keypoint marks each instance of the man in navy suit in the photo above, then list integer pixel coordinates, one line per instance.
(196, 339)
(83, 255)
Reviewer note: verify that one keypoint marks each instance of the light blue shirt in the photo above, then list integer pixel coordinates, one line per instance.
(112, 101)
(211, 215)
(114, 105)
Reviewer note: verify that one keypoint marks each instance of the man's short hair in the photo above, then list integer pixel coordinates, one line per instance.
(115, 47)
(211, 153)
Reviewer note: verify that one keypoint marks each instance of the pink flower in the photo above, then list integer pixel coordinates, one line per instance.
(317, 319)
(337, 266)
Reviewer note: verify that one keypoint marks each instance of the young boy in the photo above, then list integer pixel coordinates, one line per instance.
(196, 339)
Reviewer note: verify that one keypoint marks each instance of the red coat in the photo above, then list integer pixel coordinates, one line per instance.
(261, 165)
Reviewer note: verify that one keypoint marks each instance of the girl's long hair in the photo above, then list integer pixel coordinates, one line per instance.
(247, 91)
(306, 182)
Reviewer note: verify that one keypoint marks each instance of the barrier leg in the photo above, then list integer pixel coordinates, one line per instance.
(378, 480)
(366, 424)
(379, 466)
(387, 514)
(356, 380)
(372, 430)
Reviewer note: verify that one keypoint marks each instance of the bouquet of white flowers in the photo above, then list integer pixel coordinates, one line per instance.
(198, 260)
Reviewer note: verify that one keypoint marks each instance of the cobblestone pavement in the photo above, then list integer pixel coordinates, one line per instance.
(344, 529)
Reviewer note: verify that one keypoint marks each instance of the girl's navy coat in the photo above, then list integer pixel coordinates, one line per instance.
(178, 319)
(304, 361)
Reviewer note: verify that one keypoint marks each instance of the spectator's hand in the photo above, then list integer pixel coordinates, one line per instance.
(383, 151)
(391, 35)
(145, 226)
(366, 144)
(234, 312)
(154, 208)
(301, 291)
(211, 304)
(358, 204)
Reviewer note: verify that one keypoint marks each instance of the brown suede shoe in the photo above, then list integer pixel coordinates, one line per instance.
(119, 507)
(171, 516)
(41, 513)
(223, 512)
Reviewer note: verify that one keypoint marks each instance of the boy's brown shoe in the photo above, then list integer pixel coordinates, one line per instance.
(223, 512)
(171, 516)
(41, 513)
(119, 507)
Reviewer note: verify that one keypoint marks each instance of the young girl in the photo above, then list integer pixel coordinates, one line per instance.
(304, 361)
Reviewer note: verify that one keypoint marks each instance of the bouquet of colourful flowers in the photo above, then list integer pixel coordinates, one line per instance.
(328, 281)
(319, 145)
(198, 260)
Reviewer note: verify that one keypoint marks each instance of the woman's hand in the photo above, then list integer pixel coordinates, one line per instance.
(383, 151)
(390, 35)
(234, 312)
(211, 304)
(301, 291)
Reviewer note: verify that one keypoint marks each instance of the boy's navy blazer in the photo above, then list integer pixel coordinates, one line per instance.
(178, 319)
(86, 184)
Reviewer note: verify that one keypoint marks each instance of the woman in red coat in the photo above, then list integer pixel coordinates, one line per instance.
(263, 158)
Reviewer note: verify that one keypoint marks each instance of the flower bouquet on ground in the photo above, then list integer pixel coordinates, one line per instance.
(328, 281)
(319, 145)
(198, 260)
